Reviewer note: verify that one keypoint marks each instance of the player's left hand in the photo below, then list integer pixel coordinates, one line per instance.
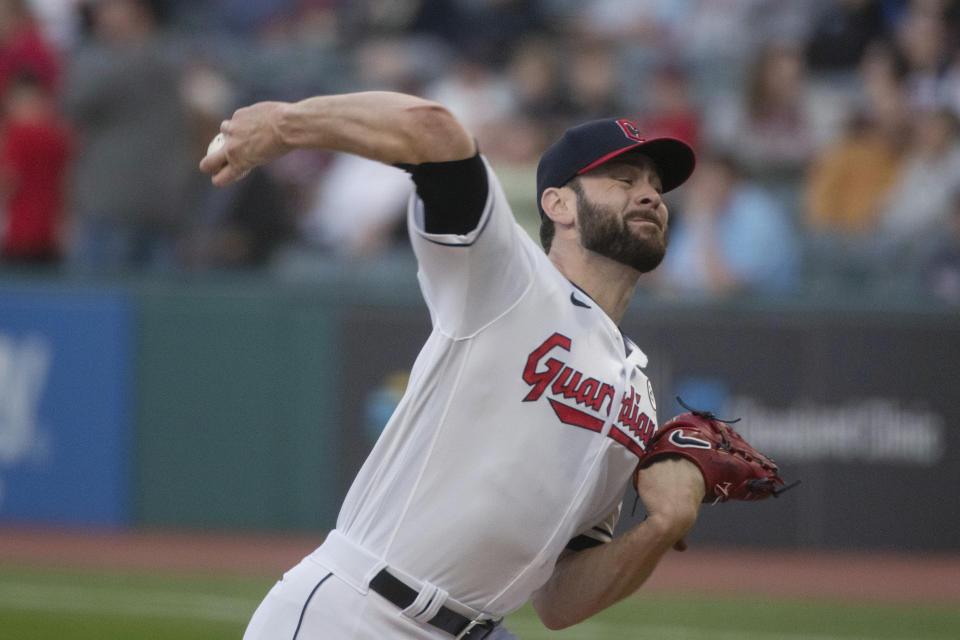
(731, 468)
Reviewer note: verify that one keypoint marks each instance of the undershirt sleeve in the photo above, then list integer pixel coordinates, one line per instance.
(453, 193)
(600, 533)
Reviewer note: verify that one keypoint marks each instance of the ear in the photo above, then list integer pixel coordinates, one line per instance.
(559, 203)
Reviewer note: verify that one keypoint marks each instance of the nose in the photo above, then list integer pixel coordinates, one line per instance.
(647, 196)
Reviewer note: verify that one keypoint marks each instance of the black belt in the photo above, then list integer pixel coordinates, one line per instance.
(402, 595)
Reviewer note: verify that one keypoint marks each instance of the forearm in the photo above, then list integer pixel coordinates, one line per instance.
(587, 582)
(384, 126)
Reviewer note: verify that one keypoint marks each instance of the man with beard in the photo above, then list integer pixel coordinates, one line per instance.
(501, 474)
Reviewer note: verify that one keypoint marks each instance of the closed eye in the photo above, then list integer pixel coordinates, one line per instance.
(631, 181)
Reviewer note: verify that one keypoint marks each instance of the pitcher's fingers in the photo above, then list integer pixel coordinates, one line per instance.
(224, 176)
(213, 163)
(228, 175)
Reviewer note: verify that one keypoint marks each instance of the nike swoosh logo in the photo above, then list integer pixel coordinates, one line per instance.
(687, 442)
(577, 301)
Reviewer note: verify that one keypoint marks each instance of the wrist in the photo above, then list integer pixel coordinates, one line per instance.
(671, 525)
(284, 123)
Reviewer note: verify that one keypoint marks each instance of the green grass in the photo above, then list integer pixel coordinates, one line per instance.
(706, 618)
(84, 605)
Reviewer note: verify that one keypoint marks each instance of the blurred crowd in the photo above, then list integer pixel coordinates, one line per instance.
(827, 131)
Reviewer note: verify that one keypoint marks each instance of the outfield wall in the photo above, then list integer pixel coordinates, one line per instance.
(246, 404)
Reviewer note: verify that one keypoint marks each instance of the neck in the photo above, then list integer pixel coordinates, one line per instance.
(610, 283)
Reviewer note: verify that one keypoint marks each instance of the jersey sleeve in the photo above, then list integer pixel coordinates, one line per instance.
(600, 533)
(470, 279)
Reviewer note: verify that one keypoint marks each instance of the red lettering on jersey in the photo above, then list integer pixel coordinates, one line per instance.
(587, 391)
(563, 381)
(605, 393)
(571, 416)
(540, 379)
(566, 384)
(627, 442)
(625, 405)
(635, 421)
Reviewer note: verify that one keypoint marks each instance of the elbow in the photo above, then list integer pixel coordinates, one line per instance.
(554, 625)
(554, 616)
(551, 618)
(436, 134)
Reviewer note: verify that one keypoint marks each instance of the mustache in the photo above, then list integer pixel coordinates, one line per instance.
(647, 215)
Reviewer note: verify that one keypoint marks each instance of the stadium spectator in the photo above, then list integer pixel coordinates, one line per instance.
(477, 93)
(669, 109)
(238, 227)
(535, 76)
(776, 124)
(880, 89)
(497, 27)
(24, 48)
(848, 180)
(729, 236)
(647, 23)
(242, 18)
(940, 272)
(842, 32)
(914, 214)
(709, 72)
(928, 42)
(34, 155)
(594, 81)
(439, 19)
(842, 196)
(60, 21)
(712, 41)
(951, 88)
(377, 221)
(133, 161)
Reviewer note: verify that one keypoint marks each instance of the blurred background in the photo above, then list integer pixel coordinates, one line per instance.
(181, 357)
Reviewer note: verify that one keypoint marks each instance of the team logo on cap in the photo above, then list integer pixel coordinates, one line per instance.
(630, 130)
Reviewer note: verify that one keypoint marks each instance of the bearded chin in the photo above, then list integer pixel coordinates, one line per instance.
(644, 255)
(605, 234)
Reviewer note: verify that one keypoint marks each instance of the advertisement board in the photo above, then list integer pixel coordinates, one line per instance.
(859, 406)
(65, 407)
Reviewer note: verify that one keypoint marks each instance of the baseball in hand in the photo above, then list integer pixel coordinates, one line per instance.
(215, 144)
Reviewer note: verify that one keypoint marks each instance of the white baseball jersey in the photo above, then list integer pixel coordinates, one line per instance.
(520, 429)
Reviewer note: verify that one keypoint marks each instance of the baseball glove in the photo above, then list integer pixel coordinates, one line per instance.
(732, 469)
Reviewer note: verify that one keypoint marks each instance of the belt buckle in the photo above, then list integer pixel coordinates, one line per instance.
(470, 625)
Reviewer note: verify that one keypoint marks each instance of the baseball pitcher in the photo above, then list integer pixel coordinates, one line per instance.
(500, 476)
